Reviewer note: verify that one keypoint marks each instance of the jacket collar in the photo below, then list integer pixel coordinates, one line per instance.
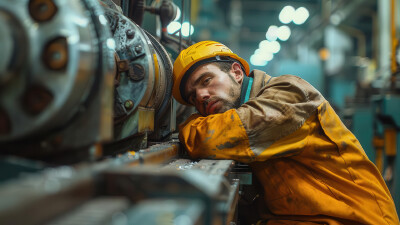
(260, 80)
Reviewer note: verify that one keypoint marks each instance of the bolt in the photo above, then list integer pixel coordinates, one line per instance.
(136, 72)
(36, 99)
(123, 65)
(128, 104)
(130, 34)
(42, 10)
(138, 49)
(55, 54)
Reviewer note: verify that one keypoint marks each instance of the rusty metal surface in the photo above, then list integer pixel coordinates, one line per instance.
(146, 119)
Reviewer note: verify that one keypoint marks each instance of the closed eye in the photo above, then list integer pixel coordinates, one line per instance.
(207, 80)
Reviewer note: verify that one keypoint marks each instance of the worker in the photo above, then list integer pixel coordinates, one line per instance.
(312, 168)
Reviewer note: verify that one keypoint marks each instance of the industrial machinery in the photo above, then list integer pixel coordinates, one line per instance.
(87, 121)
(56, 77)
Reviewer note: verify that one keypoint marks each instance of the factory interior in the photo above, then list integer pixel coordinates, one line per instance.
(89, 127)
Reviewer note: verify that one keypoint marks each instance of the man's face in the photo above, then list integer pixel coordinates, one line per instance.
(213, 91)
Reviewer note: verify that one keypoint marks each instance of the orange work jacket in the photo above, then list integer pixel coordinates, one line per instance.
(311, 167)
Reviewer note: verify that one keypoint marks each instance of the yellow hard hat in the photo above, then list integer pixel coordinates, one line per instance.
(196, 55)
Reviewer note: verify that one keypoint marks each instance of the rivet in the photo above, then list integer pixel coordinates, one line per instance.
(42, 10)
(136, 72)
(123, 65)
(128, 104)
(55, 54)
(130, 34)
(138, 49)
(36, 99)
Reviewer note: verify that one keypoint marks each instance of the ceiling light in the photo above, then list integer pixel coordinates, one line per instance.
(178, 14)
(263, 45)
(269, 46)
(272, 33)
(300, 16)
(284, 33)
(265, 55)
(185, 29)
(173, 27)
(275, 47)
(257, 60)
(286, 15)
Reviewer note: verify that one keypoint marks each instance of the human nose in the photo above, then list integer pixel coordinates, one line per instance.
(202, 95)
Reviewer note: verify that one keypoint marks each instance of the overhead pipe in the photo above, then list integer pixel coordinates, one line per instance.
(359, 35)
(346, 8)
(395, 43)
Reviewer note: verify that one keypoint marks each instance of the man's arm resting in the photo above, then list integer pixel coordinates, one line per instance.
(268, 125)
(218, 136)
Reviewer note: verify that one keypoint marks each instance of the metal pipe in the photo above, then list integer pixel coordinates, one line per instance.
(359, 35)
(190, 20)
(384, 39)
(180, 30)
(395, 43)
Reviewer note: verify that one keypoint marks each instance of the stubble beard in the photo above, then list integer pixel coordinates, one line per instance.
(234, 101)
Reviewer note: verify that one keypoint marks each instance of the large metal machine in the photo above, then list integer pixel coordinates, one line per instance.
(87, 121)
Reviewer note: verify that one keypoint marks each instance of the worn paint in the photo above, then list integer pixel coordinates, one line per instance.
(210, 133)
(344, 145)
(228, 145)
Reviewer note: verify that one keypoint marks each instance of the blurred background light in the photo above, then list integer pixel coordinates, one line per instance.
(264, 45)
(257, 60)
(324, 54)
(269, 46)
(272, 33)
(265, 55)
(173, 27)
(284, 33)
(275, 47)
(185, 29)
(178, 14)
(286, 15)
(300, 16)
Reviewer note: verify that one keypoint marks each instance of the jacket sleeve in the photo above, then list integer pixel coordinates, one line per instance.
(262, 128)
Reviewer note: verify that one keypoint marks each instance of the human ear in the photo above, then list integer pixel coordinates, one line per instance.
(237, 72)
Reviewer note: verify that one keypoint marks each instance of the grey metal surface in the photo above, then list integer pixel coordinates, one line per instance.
(143, 79)
(212, 167)
(38, 197)
(205, 180)
(132, 45)
(98, 211)
(51, 79)
(166, 211)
